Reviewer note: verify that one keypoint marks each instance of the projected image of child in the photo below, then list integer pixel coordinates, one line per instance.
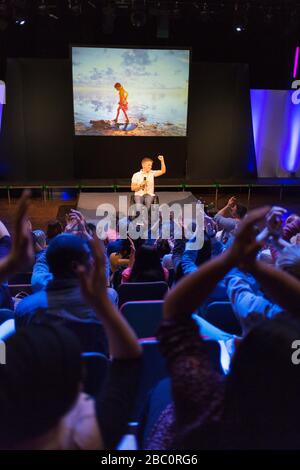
(123, 104)
(130, 92)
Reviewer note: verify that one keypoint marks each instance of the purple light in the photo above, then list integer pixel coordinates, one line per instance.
(291, 139)
(1, 109)
(276, 131)
(296, 61)
(259, 100)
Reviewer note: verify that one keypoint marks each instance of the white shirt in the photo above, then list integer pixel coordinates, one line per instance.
(138, 178)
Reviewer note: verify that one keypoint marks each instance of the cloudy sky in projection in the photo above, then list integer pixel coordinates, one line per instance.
(156, 81)
(153, 69)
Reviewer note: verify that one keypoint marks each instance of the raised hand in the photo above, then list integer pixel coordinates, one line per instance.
(93, 281)
(274, 220)
(231, 202)
(77, 224)
(246, 245)
(211, 228)
(161, 158)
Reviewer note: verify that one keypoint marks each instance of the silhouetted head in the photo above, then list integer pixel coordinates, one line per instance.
(65, 253)
(54, 228)
(263, 387)
(239, 211)
(163, 247)
(260, 409)
(38, 384)
(147, 266)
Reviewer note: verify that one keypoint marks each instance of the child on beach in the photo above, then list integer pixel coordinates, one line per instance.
(123, 104)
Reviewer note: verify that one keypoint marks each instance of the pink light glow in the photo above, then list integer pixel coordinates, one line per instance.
(296, 61)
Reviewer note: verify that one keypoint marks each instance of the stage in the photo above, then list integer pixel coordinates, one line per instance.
(88, 203)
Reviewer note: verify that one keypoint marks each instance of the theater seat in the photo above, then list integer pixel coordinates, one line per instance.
(153, 370)
(221, 315)
(20, 278)
(143, 317)
(134, 291)
(16, 289)
(95, 370)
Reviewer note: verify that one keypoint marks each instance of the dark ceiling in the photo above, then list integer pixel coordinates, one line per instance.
(261, 33)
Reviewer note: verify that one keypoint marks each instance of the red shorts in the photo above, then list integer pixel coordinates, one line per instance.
(124, 106)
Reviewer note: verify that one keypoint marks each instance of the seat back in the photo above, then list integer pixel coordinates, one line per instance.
(133, 291)
(16, 289)
(171, 279)
(21, 278)
(95, 371)
(153, 370)
(221, 315)
(143, 317)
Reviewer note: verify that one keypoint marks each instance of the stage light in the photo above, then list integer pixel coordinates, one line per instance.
(240, 17)
(138, 18)
(20, 22)
(75, 7)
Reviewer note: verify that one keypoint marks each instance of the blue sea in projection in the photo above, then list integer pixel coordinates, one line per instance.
(156, 82)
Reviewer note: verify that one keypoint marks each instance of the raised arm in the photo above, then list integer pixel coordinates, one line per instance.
(191, 291)
(226, 211)
(281, 286)
(163, 168)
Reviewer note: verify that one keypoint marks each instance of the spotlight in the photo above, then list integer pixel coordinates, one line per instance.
(240, 17)
(20, 21)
